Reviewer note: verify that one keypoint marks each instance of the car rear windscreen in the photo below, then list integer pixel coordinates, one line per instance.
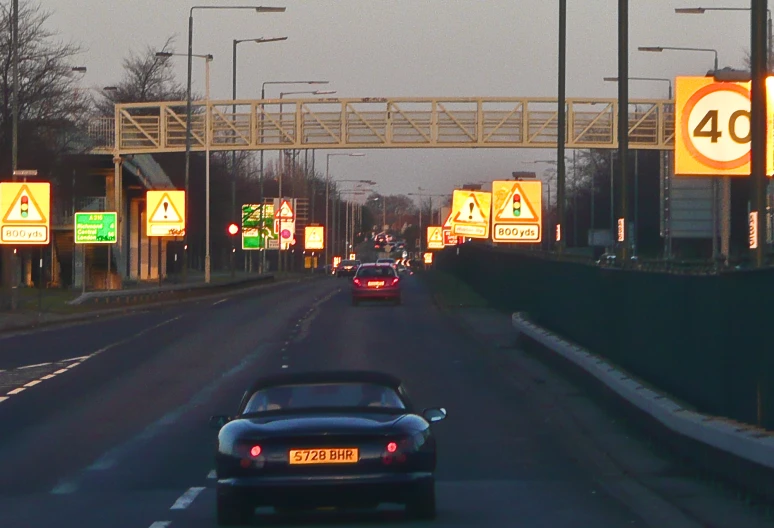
(376, 271)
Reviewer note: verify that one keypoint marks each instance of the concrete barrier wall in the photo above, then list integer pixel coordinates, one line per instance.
(704, 339)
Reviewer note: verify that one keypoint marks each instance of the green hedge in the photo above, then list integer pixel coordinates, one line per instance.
(702, 338)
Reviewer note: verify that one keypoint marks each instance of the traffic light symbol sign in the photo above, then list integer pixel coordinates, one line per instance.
(516, 204)
(24, 204)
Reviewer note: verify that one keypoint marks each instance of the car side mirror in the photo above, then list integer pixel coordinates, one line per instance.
(218, 421)
(434, 414)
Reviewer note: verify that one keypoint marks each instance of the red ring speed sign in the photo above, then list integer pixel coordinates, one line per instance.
(716, 126)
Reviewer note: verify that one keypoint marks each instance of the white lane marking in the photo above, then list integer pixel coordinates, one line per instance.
(35, 365)
(285, 366)
(74, 362)
(160, 524)
(220, 301)
(79, 358)
(212, 474)
(3, 398)
(186, 499)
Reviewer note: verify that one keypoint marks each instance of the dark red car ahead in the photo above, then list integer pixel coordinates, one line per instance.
(376, 282)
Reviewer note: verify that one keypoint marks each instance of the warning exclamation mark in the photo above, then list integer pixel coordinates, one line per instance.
(166, 207)
(470, 216)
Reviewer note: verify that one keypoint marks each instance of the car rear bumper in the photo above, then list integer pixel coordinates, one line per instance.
(293, 492)
(382, 293)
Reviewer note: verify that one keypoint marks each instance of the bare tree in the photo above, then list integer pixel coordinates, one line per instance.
(147, 77)
(50, 104)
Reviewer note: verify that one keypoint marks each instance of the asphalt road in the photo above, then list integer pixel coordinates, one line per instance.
(120, 439)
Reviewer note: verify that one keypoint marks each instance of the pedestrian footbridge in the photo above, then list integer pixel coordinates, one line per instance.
(433, 122)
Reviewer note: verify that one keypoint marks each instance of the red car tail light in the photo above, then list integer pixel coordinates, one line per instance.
(255, 451)
(392, 447)
(357, 282)
(393, 453)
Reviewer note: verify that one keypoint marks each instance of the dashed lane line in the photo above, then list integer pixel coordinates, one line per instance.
(160, 524)
(219, 302)
(71, 363)
(212, 474)
(187, 498)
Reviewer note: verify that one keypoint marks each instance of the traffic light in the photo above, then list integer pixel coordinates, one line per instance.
(25, 206)
(516, 204)
(233, 229)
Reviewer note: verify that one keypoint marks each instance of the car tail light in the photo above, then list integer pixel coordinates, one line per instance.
(255, 451)
(357, 282)
(394, 452)
(392, 447)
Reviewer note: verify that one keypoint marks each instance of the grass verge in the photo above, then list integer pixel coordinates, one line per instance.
(451, 292)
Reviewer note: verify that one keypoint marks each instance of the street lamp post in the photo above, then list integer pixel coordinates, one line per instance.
(636, 164)
(725, 207)
(282, 153)
(261, 135)
(327, 194)
(207, 141)
(188, 110)
(234, 211)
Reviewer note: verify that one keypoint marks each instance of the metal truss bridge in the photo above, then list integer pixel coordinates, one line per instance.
(472, 122)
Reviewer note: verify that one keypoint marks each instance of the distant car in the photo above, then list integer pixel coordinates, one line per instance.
(376, 282)
(347, 268)
(325, 439)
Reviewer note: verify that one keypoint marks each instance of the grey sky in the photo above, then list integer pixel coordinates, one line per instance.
(372, 48)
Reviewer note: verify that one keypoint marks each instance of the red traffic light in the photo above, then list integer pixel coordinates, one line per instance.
(233, 229)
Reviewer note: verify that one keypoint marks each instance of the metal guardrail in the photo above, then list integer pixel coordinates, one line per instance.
(141, 294)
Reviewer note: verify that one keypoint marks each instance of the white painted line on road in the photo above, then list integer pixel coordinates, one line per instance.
(35, 365)
(212, 474)
(285, 366)
(160, 524)
(48, 377)
(3, 398)
(79, 358)
(73, 365)
(32, 383)
(16, 391)
(220, 301)
(60, 371)
(186, 499)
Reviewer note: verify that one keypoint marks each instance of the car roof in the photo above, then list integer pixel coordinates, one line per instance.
(374, 265)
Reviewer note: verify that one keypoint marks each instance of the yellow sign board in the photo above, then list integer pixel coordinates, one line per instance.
(470, 213)
(314, 237)
(517, 211)
(428, 258)
(712, 127)
(435, 237)
(165, 213)
(26, 213)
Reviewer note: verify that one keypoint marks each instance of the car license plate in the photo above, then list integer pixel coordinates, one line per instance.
(335, 455)
(376, 284)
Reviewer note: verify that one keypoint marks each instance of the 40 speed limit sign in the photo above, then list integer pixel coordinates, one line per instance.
(712, 132)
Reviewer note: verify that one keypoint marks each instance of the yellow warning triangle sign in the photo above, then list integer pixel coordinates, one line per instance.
(24, 209)
(165, 212)
(516, 207)
(470, 213)
(447, 223)
(435, 235)
(285, 210)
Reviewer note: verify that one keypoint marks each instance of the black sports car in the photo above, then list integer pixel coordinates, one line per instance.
(346, 439)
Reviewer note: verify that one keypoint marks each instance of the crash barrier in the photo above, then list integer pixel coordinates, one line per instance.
(737, 452)
(162, 292)
(702, 338)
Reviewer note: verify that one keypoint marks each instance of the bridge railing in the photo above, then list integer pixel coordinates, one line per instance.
(382, 123)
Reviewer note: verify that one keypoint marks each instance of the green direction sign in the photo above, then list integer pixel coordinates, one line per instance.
(255, 232)
(96, 227)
